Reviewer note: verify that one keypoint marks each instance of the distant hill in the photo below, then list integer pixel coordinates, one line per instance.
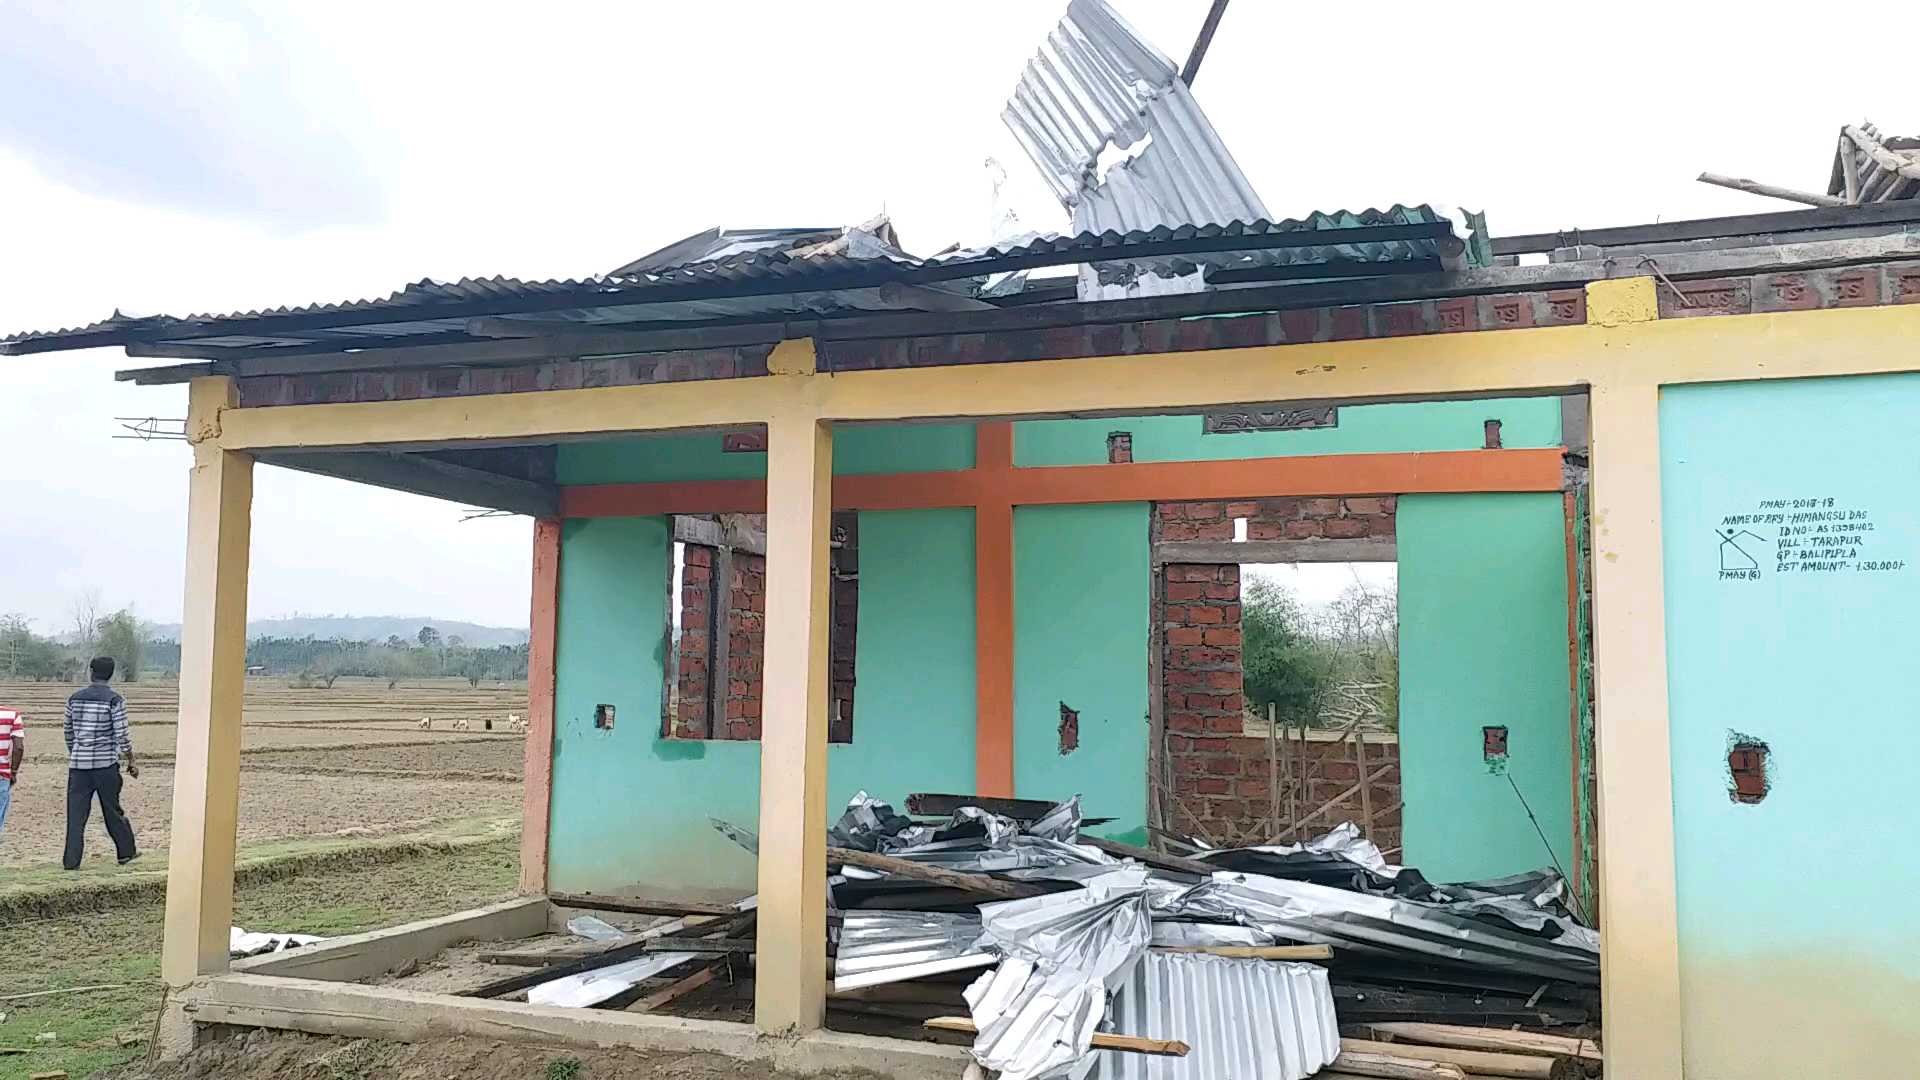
(366, 628)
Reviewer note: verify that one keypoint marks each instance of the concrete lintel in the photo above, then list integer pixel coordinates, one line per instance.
(1365, 549)
(358, 956)
(372, 1012)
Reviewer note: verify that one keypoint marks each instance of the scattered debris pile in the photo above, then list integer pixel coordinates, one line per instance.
(1867, 168)
(1063, 955)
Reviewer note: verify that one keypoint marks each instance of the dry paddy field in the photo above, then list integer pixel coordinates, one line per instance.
(345, 761)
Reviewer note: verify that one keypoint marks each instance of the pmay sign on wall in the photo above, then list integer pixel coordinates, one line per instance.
(1801, 537)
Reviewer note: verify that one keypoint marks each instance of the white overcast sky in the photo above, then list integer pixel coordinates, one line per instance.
(214, 156)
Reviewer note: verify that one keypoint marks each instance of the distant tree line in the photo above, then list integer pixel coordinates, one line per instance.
(120, 634)
(309, 661)
(319, 661)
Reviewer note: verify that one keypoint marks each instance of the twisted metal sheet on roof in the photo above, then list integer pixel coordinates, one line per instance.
(1096, 87)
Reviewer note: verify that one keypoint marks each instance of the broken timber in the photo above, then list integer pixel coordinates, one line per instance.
(1513, 1042)
(907, 868)
(1390, 1067)
(628, 951)
(1101, 1040)
(1473, 1062)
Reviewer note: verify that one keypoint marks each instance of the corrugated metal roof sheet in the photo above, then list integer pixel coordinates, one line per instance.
(776, 281)
(1096, 87)
(889, 946)
(1242, 1019)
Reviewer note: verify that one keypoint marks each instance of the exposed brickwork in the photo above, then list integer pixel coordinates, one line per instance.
(746, 629)
(691, 719)
(1502, 311)
(1290, 518)
(745, 624)
(465, 382)
(743, 442)
(1200, 672)
(1223, 786)
(1119, 448)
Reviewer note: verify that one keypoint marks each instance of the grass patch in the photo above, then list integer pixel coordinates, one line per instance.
(122, 945)
(50, 892)
(563, 1069)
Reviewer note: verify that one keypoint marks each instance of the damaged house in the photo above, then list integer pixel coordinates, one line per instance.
(847, 558)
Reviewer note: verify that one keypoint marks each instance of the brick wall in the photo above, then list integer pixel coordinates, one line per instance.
(692, 648)
(1350, 518)
(1223, 787)
(746, 647)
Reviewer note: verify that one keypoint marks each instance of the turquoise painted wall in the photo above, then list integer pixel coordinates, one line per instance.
(630, 808)
(1483, 640)
(1080, 613)
(857, 450)
(1363, 429)
(1796, 914)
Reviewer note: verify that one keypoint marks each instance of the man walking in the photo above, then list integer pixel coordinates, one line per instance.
(13, 747)
(96, 737)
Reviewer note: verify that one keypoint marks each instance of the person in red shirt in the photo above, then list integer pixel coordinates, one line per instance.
(13, 747)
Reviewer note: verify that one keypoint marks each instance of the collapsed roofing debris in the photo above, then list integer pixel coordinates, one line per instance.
(1867, 168)
(1192, 967)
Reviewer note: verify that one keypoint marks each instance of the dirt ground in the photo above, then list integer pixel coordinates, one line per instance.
(261, 1055)
(273, 806)
(316, 764)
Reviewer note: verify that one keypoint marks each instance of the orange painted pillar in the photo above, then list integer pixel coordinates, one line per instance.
(993, 615)
(543, 628)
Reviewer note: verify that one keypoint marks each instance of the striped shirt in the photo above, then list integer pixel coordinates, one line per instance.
(96, 727)
(11, 727)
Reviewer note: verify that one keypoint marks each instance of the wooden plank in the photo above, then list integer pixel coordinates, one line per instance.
(1158, 860)
(703, 945)
(906, 868)
(680, 988)
(1256, 952)
(1755, 187)
(936, 805)
(1705, 228)
(1207, 27)
(1391, 1067)
(694, 927)
(1473, 1062)
(1101, 1040)
(521, 958)
(1472, 1038)
(639, 905)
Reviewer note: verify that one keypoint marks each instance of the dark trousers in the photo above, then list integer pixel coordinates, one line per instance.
(82, 787)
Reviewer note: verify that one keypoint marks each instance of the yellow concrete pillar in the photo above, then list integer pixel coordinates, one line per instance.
(791, 954)
(213, 657)
(1640, 957)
